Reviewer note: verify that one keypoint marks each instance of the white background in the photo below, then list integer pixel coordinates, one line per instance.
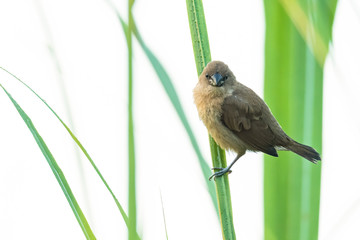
(92, 51)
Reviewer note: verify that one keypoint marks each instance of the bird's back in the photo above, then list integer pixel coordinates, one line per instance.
(264, 131)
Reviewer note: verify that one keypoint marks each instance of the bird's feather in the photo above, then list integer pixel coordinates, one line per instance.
(245, 121)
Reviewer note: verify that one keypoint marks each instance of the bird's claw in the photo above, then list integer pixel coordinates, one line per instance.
(221, 172)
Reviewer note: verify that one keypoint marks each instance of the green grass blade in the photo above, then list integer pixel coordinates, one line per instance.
(56, 170)
(171, 92)
(64, 95)
(76, 140)
(202, 57)
(131, 142)
(297, 38)
(173, 96)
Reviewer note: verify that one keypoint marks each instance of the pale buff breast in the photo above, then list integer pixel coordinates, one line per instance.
(209, 108)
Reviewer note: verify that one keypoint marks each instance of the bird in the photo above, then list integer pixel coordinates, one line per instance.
(238, 119)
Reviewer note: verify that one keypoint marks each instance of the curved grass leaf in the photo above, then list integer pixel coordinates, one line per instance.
(56, 171)
(202, 56)
(172, 94)
(76, 140)
(64, 95)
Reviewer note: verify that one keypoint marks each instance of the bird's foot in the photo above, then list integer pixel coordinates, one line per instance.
(221, 172)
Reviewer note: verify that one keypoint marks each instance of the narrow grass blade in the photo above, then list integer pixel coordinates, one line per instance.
(173, 96)
(56, 170)
(121, 209)
(163, 212)
(202, 57)
(171, 92)
(65, 96)
(296, 45)
(131, 142)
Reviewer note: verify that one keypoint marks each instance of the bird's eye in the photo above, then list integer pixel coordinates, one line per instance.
(226, 77)
(207, 76)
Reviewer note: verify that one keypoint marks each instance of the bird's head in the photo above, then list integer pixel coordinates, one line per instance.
(217, 74)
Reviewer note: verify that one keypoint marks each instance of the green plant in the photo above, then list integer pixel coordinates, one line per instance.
(56, 169)
(297, 38)
(202, 57)
(80, 217)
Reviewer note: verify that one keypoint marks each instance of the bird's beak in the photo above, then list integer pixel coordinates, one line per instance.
(218, 79)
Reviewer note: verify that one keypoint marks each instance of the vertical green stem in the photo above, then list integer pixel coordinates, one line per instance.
(202, 57)
(131, 144)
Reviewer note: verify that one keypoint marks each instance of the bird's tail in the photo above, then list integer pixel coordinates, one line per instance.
(305, 151)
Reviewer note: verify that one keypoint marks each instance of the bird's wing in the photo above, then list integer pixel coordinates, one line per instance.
(245, 121)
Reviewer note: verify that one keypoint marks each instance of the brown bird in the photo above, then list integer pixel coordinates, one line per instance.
(238, 119)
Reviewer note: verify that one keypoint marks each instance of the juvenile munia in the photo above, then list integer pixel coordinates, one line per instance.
(238, 119)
